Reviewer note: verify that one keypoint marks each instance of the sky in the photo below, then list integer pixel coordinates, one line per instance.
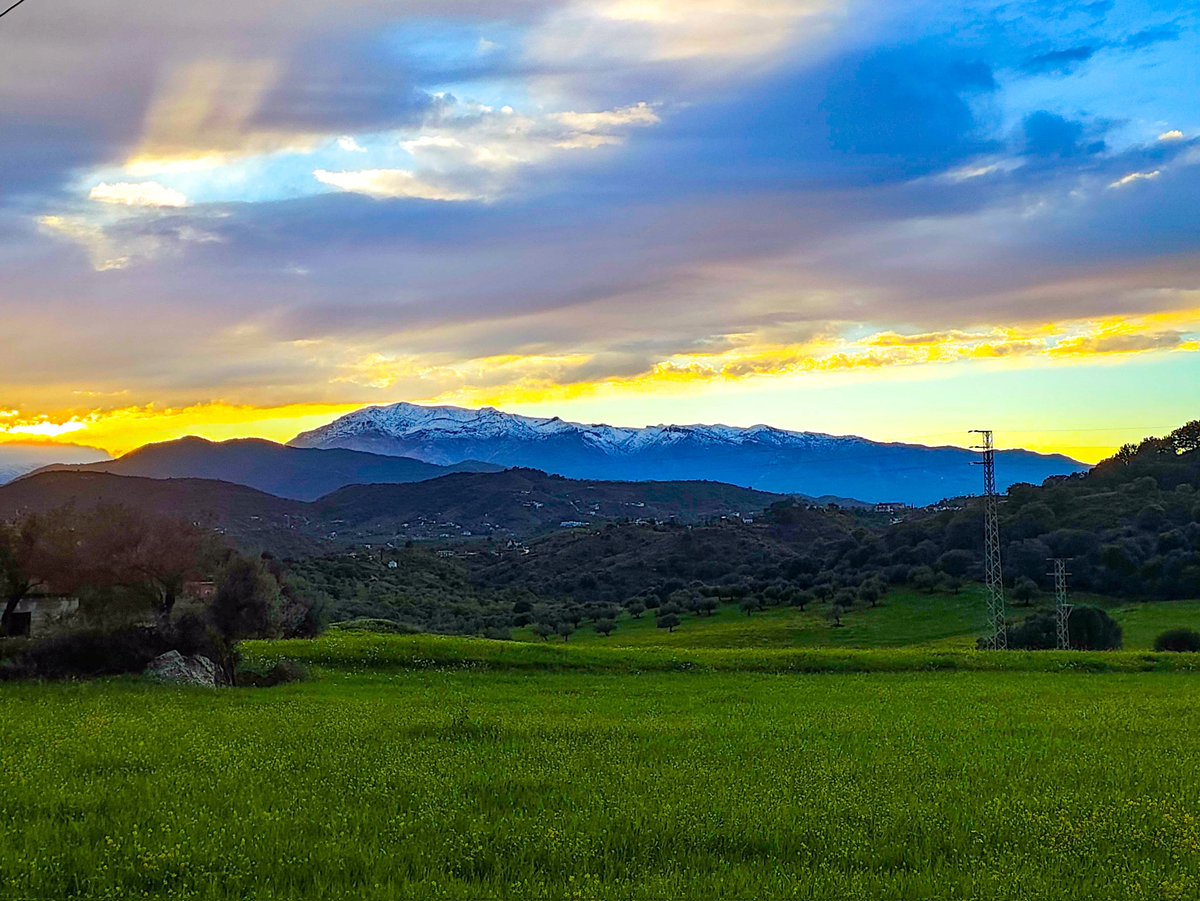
(897, 220)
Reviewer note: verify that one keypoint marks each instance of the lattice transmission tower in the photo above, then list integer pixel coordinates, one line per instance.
(1062, 606)
(993, 576)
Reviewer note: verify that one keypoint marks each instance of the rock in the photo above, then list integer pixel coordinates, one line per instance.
(172, 667)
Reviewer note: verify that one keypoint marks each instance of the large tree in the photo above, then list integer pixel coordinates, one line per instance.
(248, 601)
(120, 547)
(36, 553)
(1186, 437)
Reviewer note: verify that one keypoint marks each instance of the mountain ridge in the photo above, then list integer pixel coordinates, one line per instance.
(296, 473)
(762, 457)
(19, 458)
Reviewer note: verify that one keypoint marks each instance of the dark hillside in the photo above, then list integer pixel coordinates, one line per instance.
(524, 502)
(249, 518)
(1131, 527)
(503, 505)
(291, 472)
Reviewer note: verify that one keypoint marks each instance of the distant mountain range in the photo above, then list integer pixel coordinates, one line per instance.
(515, 503)
(288, 472)
(761, 457)
(19, 458)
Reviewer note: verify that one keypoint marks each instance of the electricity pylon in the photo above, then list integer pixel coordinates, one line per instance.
(993, 577)
(1062, 607)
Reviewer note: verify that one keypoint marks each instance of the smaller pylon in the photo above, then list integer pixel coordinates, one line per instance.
(1062, 607)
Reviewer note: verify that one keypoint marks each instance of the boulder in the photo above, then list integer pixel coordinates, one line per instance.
(172, 667)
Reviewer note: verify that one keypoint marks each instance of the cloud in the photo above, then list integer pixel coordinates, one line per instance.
(389, 183)
(1156, 34)
(44, 428)
(720, 33)
(1173, 135)
(473, 152)
(104, 252)
(1134, 177)
(1060, 61)
(607, 121)
(912, 105)
(584, 191)
(147, 194)
(1051, 135)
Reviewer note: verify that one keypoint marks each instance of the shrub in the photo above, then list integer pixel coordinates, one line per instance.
(1179, 640)
(90, 652)
(1088, 629)
(283, 672)
(382, 626)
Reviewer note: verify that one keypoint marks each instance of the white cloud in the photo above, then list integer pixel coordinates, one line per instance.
(350, 145)
(467, 151)
(652, 31)
(111, 243)
(92, 237)
(1135, 177)
(640, 115)
(1173, 135)
(389, 183)
(144, 193)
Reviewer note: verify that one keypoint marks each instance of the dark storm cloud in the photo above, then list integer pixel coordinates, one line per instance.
(1051, 135)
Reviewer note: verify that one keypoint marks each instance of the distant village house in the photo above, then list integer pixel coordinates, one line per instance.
(38, 614)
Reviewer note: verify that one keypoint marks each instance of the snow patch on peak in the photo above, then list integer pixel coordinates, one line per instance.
(411, 421)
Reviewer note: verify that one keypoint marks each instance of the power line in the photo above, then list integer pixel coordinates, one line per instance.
(11, 8)
(1038, 431)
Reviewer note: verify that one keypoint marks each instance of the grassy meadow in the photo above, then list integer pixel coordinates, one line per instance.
(735, 758)
(905, 618)
(472, 783)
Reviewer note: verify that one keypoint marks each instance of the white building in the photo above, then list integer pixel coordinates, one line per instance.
(36, 615)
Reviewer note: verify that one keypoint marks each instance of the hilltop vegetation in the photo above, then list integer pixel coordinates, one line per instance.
(1130, 526)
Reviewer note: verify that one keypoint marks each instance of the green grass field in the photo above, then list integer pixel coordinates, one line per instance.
(478, 783)
(905, 618)
(739, 758)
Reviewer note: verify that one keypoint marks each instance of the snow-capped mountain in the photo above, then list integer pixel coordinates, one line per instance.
(761, 457)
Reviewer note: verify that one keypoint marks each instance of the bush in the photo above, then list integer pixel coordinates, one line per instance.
(382, 626)
(91, 652)
(1179, 640)
(282, 672)
(1088, 629)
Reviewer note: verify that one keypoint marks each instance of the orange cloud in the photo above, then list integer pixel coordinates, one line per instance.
(122, 430)
(515, 380)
